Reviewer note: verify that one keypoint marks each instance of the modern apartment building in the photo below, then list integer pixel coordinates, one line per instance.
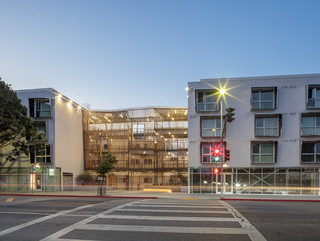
(54, 167)
(274, 141)
(151, 145)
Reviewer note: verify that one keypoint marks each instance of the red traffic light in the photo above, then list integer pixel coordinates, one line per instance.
(216, 170)
(227, 155)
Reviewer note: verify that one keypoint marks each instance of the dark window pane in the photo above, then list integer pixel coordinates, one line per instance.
(267, 105)
(307, 158)
(308, 148)
(200, 97)
(267, 95)
(255, 96)
(259, 122)
(255, 148)
(317, 147)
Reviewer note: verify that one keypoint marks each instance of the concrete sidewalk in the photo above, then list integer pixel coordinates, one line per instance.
(165, 195)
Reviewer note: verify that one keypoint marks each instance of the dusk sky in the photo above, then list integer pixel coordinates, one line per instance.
(135, 53)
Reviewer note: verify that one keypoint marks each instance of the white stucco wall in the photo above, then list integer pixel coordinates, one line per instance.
(68, 137)
(291, 102)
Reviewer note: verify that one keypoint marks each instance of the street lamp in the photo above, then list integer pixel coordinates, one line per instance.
(34, 166)
(229, 118)
(222, 92)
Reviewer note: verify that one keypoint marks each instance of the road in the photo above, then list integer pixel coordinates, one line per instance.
(52, 218)
(283, 220)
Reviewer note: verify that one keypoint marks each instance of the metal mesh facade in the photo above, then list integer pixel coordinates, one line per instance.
(151, 145)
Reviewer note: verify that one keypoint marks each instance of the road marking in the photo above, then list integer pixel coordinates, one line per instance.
(253, 233)
(177, 206)
(39, 220)
(74, 204)
(62, 239)
(68, 229)
(161, 218)
(190, 198)
(78, 215)
(182, 203)
(28, 213)
(168, 211)
(162, 229)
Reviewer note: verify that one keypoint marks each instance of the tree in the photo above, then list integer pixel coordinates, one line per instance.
(16, 127)
(84, 178)
(106, 165)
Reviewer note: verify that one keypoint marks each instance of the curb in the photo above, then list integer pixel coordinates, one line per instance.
(30, 195)
(268, 200)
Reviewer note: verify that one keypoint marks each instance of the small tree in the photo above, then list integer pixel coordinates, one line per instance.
(106, 165)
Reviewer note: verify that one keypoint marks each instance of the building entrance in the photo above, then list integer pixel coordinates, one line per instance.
(228, 183)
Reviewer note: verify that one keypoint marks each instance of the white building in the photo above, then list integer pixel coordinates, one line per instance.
(55, 168)
(274, 141)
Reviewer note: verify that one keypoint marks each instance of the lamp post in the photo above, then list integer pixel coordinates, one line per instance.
(229, 118)
(222, 92)
(34, 166)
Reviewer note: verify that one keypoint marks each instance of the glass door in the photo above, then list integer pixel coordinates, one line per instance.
(228, 183)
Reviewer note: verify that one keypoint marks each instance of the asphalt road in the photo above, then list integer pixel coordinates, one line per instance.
(52, 218)
(283, 220)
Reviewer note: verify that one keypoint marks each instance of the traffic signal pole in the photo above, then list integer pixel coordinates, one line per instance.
(223, 124)
(229, 118)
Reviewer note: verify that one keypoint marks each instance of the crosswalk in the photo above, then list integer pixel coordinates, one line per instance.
(163, 220)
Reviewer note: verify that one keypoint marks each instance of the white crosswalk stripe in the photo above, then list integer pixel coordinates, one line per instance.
(161, 218)
(150, 210)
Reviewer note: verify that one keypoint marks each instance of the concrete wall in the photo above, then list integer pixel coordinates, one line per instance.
(291, 102)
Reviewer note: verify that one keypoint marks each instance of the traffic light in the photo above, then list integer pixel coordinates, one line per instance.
(229, 115)
(216, 153)
(226, 155)
(216, 170)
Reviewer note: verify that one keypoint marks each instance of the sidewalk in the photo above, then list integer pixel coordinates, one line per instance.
(163, 195)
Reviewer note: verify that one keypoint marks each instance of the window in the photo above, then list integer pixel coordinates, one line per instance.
(147, 161)
(267, 125)
(207, 151)
(263, 152)
(105, 147)
(40, 155)
(313, 96)
(207, 100)
(41, 127)
(210, 126)
(138, 131)
(39, 107)
(310, 152)
(310, 125)
(147, 180)
(263, 98)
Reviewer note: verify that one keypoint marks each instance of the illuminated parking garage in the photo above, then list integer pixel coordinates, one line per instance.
(151, 146)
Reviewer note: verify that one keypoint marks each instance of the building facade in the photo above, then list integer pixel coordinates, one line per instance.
(274, 141)
(54, 167)
(150, 144)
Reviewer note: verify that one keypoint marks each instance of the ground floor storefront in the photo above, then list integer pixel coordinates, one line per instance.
(140, 180)
(31, 179)
(242, 180)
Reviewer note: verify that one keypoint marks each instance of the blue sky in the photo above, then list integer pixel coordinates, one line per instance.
(133, 53)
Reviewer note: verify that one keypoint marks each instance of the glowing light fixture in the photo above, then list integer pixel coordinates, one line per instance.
(222, 91)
